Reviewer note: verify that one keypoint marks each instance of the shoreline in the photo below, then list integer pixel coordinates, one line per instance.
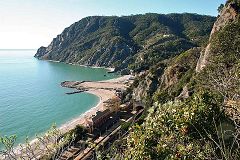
(80, 120)
(73, 64)
(102, 94)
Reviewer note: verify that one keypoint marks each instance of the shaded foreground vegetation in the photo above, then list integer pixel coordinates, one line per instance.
(48, 146)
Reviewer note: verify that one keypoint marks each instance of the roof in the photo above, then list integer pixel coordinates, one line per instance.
(100, 114)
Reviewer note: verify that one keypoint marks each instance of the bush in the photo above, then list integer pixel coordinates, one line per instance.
(78, 131)
(125, 126)
(178, 130)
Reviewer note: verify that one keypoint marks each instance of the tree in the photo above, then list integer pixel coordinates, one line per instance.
(51, 145)
(220, 8)
(114, 104)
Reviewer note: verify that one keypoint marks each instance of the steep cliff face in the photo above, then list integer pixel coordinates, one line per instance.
(121, 41)
(168, 80)
(179, 66)
(174, 83)
(148, 82)
(228, 15)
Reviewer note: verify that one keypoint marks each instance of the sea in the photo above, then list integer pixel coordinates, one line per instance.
(31, 98)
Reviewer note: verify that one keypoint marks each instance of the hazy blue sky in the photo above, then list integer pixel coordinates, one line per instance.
(33, 23)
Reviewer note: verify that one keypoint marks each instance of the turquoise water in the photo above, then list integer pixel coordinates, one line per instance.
(31, 98)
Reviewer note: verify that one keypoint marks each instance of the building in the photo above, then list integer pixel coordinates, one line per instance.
(98, 120)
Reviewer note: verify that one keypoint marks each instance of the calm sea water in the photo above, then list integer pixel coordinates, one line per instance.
(31, 98)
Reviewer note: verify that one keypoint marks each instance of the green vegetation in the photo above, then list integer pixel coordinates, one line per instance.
(220, 8)
(125, 126)
(205, 123)
(183, 130)
(234, 2)
(223, 72)
(137, 42)
(79, 133)
(177, 75)
(49, 146)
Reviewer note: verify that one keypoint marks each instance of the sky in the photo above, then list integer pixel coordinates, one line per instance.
(29, 24)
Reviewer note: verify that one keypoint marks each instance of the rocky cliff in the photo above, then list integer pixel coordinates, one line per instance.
(228, 15)
(168, 79)
(121, 41)
(216, 67)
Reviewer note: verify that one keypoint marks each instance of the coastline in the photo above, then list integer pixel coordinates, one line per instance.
(81, 119)
(102, 94)
(107, 68)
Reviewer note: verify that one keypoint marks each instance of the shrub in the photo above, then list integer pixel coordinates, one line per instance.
(178, 130)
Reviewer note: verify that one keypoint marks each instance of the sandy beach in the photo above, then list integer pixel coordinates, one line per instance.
(105, 90)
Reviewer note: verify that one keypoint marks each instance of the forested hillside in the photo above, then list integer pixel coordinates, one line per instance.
(135, 42)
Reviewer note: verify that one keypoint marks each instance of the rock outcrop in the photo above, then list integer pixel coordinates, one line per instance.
(170, 78)
(41, 52)
(228, 14)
